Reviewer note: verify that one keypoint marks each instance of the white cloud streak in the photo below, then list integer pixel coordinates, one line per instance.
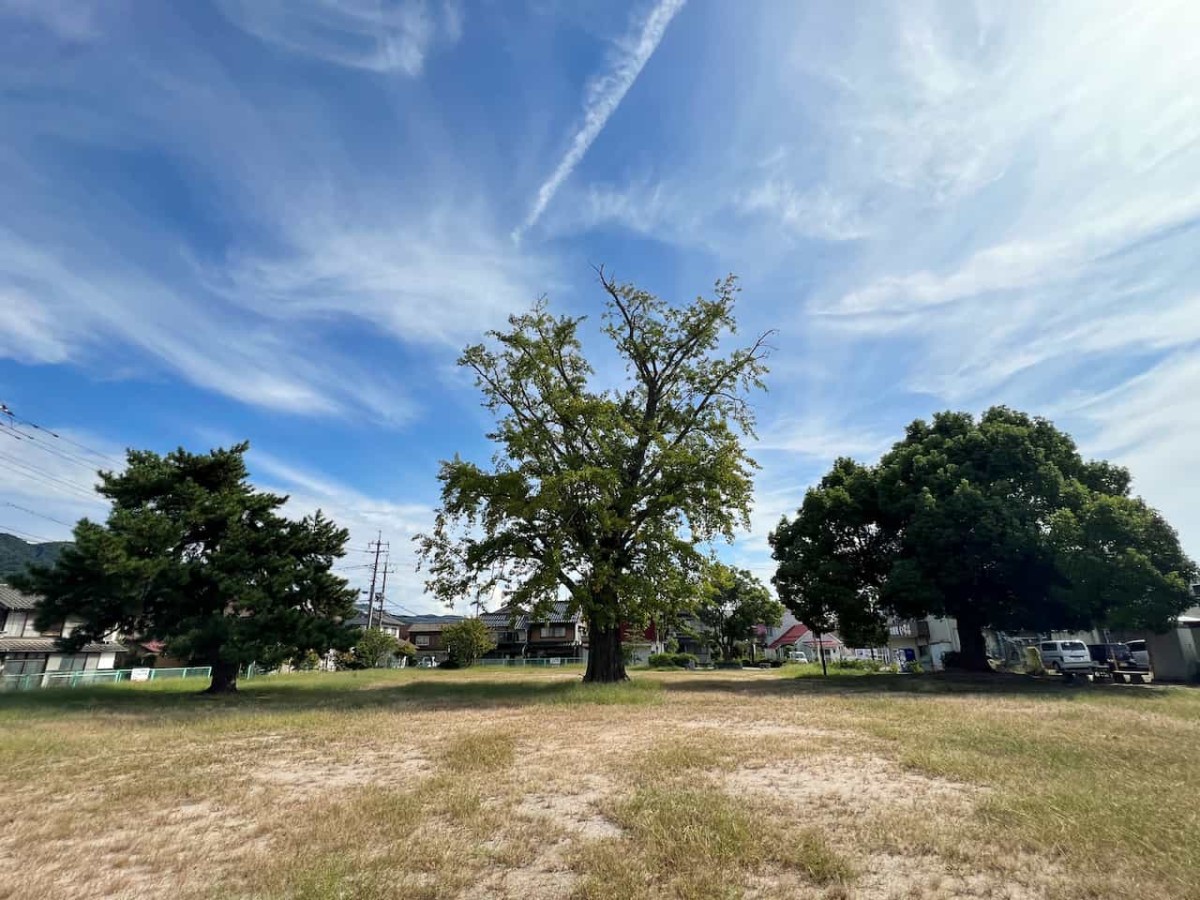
(603, 95)
(376, 35)
(364, 516)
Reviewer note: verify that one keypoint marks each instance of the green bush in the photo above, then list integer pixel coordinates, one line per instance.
(450, 663)
(916, 668)
(855, 664)
(671, 660)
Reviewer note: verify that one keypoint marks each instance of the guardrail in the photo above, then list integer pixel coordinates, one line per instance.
(88, 677)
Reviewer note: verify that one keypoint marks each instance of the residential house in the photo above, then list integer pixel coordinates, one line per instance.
(510, 630)
(384, 621)
(425, 632)
(924, 640)
(24, 650)
(558, 633)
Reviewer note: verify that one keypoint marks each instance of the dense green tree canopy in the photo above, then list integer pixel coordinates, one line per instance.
(997, 522)
(193, 555)
(732, 603)
(373, 647)
(467, 641)
(602, 494)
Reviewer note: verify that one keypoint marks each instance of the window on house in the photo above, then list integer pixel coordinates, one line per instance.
(23, 664)
(421, 640)
(554, 631)
(75, 662)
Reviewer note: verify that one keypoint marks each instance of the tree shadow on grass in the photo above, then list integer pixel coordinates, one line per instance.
(282, 694)
(933, 684)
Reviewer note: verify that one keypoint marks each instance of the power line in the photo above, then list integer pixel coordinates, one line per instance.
(7, 411)
(46, 477)
(12, 431)
(40, 538)
(34, 512)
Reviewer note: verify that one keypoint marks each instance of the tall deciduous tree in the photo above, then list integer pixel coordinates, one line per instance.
(998, 523)
(602, 495)
(193, 555)
(732, 603)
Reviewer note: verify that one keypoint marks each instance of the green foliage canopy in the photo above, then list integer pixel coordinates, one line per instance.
(601, 494)
(732, 603)
(467, 640)
(192, 554)
(997, 522)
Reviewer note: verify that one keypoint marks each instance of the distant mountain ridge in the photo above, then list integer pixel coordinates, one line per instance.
(16, 554)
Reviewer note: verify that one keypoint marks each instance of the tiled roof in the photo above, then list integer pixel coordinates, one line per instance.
(422, 627)
(556, 614)
(48, 645)
(505, 617)
(793, 634)
(11, 598)
(360, 619)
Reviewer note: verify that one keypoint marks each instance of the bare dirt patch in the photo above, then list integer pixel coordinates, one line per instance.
(575, 808)
(834, 786)
(312, 773)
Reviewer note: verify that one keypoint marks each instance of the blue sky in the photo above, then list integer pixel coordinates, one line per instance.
(282, 220)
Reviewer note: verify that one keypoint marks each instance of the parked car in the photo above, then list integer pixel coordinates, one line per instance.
(1115, 656)
(1066, 656)
(427, 662)
(797, 656)
(1141, 656)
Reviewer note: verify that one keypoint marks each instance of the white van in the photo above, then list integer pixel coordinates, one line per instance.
(1066, 656)
(797, 656)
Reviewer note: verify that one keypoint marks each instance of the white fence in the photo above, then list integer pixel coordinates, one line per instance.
(548, 661)
(87, 677)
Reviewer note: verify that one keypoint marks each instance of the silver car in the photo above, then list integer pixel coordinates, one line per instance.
(1066, 656)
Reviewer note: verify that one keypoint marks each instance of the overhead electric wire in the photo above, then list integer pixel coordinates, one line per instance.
(7, 411)
(40, 538)
(17, 434)
(34, 512)
(47, 478)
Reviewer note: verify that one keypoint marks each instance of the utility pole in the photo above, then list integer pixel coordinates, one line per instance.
(387, 559)
(378, 545)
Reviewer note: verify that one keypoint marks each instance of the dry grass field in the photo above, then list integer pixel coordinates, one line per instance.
(488, 784)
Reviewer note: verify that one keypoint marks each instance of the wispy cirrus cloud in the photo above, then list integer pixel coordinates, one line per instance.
(376, 35)
(602, 96)
(365, 517)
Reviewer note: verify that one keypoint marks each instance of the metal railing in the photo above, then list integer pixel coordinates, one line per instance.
(88, 677)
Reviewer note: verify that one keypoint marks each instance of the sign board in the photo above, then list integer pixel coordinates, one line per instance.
(139, 674)
(555, 661)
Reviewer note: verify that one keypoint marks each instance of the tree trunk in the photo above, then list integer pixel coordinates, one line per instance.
(974, 647)
(606, 664)
(224, 678)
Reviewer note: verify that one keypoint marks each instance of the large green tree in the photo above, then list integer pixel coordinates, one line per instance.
(832, 558)
(192, 554)
(996, 522)
(602, 494)
(732, 604)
